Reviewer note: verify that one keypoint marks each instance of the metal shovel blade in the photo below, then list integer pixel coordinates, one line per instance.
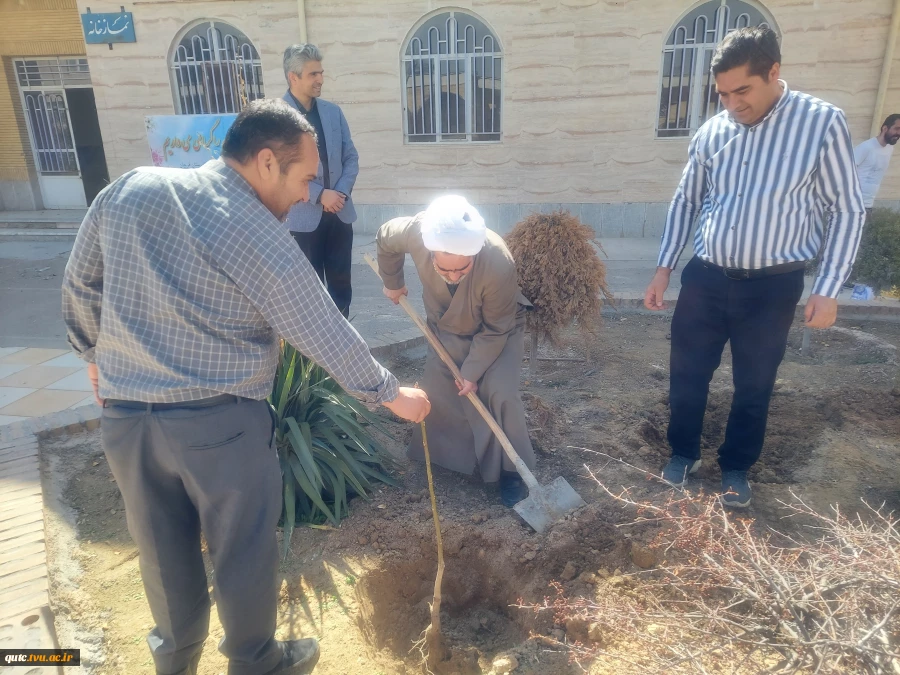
(548, 503)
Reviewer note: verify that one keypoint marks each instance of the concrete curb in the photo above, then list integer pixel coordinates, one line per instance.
(856, 309)
(35, 234)
(85, 418)
(397, 347)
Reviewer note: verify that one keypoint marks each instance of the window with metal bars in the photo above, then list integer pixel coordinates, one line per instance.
(53, 72)
(451, 81)
(687, 88)
(215, 69)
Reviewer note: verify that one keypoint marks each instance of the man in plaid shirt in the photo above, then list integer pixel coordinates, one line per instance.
(180, 284)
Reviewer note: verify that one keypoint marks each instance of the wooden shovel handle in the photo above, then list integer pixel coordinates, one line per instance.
(523, 470)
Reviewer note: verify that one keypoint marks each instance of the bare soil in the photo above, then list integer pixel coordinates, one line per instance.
(364, 589)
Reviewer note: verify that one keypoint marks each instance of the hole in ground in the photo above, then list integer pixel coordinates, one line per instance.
(489, 569)
(478, 620)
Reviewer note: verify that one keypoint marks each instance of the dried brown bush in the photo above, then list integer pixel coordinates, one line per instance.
(728, 598)
(559, 271)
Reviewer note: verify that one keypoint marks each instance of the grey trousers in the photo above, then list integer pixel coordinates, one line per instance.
(212, 469)
(458, 437)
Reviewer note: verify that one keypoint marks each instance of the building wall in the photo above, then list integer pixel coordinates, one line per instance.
(580, 88)
(132, 81)
(32, 28)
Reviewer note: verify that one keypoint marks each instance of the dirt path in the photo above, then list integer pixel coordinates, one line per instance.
(834, 436)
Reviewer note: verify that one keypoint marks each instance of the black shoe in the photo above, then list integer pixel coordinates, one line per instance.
(512, 488)
(300, 657)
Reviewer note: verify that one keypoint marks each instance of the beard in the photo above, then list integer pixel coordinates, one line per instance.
(892, 140)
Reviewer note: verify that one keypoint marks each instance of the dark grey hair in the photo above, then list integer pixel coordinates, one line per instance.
(296, 56)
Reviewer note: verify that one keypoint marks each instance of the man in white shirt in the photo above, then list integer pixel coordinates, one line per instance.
(872, 159)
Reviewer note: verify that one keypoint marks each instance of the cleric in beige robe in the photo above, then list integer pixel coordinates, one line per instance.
(475, 308)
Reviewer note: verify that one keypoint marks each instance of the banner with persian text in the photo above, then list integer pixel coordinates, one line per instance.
(186, 141)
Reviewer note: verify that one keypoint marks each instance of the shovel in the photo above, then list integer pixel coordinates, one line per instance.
(544, 505)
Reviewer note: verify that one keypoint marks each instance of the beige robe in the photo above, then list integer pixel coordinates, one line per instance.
(482, 328)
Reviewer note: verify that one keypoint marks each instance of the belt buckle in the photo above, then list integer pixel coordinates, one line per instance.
(736, 273)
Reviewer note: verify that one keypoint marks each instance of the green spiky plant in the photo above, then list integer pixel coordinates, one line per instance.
(326, 446)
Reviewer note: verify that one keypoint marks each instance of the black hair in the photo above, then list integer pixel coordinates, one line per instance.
(754, 47)
(890, 121)
(267, 123)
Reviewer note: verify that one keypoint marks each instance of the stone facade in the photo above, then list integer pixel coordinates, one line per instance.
(580, 95)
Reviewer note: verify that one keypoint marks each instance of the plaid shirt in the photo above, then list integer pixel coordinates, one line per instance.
(180, 283)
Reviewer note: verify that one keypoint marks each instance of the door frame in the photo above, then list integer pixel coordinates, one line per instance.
(46, 180)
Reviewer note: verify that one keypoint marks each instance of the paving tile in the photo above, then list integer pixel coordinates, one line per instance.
(43, 402)
(6, 351)
(9, 419)
(37, 377)
(31, 356)
(67, 361)
(11, 394)
(6, 371)
(87, 401)
(77, 381)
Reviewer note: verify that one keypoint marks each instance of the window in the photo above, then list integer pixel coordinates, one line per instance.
(53, 72)
(451, 81)
(215, 69)
(687, 92)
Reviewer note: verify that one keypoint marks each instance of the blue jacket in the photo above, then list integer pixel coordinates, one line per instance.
(343, 167)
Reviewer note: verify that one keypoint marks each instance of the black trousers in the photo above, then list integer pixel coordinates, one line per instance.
(755, 315)
(215, 470)
(328, 248)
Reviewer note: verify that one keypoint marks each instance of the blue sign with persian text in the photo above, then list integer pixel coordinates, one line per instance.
(108, 27)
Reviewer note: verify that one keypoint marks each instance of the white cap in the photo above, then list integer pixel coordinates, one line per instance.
(452, 225)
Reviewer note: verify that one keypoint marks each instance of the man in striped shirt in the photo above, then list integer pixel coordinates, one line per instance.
(770, 181)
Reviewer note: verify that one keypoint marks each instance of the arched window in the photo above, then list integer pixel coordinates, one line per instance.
(215, 69)
(451, 68)
(688, 91)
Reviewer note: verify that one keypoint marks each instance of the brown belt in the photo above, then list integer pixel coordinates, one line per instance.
(739, 274)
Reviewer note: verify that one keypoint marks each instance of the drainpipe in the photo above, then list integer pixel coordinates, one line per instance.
(301, 15)
(879, 115)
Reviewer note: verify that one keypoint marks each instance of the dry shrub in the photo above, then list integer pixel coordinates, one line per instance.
(559, 271)
(726, 598)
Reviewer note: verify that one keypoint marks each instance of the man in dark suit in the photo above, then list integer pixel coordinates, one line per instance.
(323, 226)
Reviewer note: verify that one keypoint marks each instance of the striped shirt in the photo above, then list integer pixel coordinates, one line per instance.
(763, 193)
(181, 282)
